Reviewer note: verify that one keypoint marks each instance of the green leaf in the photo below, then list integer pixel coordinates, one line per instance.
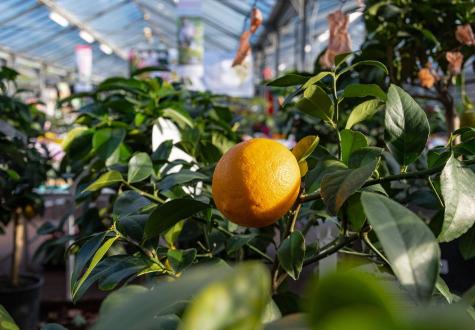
(316, 78)
(354, 212)
(6, 321)
(100, 253)
(343, 291)
(235, 302)
(406, 126)
(162, 153)
(291, 254)
(292, 321)
(363, 156)
(171, 235)
(129, 202)
(235, 243)
(167, 215)
(363, 111)
(106, 140)
(105, 180)
(179, 116)
(376, 64)
(74, 134)
(337, 186)
(290, 79)
(407, 242)
(305, 147)
(249, 282)
(181, 259)
(341, 58)
(444, 290)
(350, 142)
(467, 244)
(457, 186)
(180, 178)
(315, 102)
(140, 167)
(120, 296)
(363, 90)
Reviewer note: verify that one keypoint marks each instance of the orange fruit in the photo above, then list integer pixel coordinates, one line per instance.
(256, 182)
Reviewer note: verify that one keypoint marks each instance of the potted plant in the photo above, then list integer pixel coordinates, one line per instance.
(22, 169)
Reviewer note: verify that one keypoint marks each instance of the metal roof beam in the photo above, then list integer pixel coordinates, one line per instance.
(232, 6)
(82, 26)
(24, 12)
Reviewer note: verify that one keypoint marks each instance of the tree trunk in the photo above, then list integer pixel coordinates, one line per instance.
(18, 246)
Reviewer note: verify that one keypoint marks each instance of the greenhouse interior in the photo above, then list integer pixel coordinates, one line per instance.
(237, 164)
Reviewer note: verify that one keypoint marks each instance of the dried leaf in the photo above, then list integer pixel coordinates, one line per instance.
(256, 19)
(455, 60)
(464, 35)
(244, 48)
(426, 78)
(339, 41)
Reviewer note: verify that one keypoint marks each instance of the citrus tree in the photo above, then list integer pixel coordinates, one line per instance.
(23, 167)
(169, 222)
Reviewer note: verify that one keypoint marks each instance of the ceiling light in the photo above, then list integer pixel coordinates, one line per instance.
(86, 37)
(57, 18)
(147, 31)
(324, 36)
(308, 48)
(354, 15)
(105, 49)
(282, 66)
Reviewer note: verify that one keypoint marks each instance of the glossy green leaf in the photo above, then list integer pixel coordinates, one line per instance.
(364, 90)
(304, 148)
(315, 102)
(315, 79)
(466, 244)
(342, 291)
(120, 296)
(341, 58)
(363, 111)
(237, 242)
(181, 117)
(363, 156)
(85, 253)
(337, 186)
(6, 321)
(354, 212)
(129, 202)
(74, 134)
(292, 321)
(162, 153)
(406, 126)
(408, 243)
(140, 167)
(172, 234)
(180, 178)
(375, 64)
(271, 313)
(291, 254)
(106, 140)
(444, 290)
(181, 259)
(100, 253)
(167, 215)
(106, 179)
(289, 79)
(457, 186)
(235, 302)
(350, 142)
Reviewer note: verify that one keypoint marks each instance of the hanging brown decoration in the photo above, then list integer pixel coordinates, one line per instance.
(339, 41)
(426, 77)
(243, 49)
(256, 19)
(455, 60)
(244, 44)
(464, 35)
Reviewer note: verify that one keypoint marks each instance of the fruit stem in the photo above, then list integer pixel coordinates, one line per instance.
(374, 249)
(143, 193)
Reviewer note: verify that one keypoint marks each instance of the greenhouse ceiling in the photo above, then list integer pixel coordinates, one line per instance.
(47, 31)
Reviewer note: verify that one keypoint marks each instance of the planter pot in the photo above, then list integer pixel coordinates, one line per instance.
(22, 302)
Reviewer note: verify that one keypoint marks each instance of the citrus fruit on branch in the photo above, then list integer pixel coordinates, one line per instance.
(256, 182)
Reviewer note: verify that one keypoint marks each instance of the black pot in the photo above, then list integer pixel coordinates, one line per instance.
(22, 302)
